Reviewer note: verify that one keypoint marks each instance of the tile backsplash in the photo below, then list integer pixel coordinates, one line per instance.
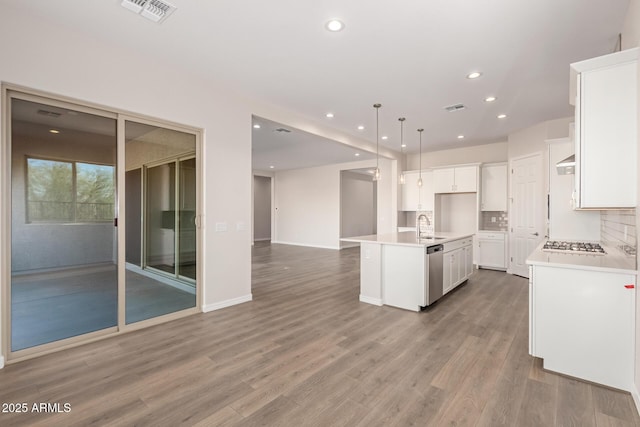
(618, 228)
(494, 221)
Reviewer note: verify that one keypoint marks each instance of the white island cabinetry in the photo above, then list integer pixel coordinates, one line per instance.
(457, 263)
(395, 267)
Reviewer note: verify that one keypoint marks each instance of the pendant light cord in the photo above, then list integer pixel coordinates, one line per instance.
(377, 173)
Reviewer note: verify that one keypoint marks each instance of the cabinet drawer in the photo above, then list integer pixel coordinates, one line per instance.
(491, 236)
(456, 244)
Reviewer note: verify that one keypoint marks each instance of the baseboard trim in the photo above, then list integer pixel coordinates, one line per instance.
(1, 362)
(306, 245)
(636, 397)
(369, 300)
(262, 240)
(227, 303)
(347, 245)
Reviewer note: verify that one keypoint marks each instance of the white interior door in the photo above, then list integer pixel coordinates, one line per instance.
(527, 211)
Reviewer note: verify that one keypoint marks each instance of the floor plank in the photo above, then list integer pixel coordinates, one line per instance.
(306, 352)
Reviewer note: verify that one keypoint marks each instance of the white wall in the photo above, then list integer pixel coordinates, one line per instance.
(488, 153)
(261, 208)
(357, 204)
(105, 74)
(565, 222)
(307, 203)
(456, 212)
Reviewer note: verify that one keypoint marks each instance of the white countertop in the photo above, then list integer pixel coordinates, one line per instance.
(407, 238)
(613, 261)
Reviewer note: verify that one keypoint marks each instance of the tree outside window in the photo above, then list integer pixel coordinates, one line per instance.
(64, 191)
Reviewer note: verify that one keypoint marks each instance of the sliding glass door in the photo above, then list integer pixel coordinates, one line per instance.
(102, 221)
(163, 163)
(63, 240)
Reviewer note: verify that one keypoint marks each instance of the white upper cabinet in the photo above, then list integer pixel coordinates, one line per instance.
(461, 179)
(493, 189)
(416, 198)
(606, 130)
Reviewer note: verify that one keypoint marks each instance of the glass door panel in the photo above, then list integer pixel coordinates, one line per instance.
(63, 239)
(160, 214)
(161, 264)
(187, 220)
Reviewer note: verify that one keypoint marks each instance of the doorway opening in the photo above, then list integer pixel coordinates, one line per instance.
(262, 218)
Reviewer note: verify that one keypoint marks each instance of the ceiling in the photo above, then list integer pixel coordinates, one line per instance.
(274, 148)
(410, 56)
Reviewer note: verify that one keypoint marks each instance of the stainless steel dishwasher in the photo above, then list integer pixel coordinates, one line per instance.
(434, 282)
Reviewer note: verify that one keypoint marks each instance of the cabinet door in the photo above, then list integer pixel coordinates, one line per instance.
(493, 188)
(583, 324)
(466, 179)
(491, 253)
(410, 192)
(443, 180)
(468, 257)
(457, 266)
(607, 137)
(426, 192)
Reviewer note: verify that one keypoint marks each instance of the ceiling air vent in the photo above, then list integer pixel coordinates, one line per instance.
(48, 113)
(455, 107)
(283, 130)
(154, 10)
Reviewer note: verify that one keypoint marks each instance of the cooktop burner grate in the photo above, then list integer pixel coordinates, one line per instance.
(573, 247)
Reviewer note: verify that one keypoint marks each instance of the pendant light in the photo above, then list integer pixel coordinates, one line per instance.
(420, 172)
(376, 174)
(401, 119)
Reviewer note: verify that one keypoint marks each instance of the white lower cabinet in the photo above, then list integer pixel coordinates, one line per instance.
(491, 250)
(457, 263)
(582, 323)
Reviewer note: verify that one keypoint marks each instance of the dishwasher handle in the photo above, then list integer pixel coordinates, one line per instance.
(434, 249)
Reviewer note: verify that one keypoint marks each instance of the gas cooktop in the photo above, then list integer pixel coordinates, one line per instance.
(573, 247)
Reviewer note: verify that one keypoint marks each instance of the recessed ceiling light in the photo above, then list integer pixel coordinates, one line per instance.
(404, 145)
(502, 116)
(490, 99)
(271, 167)
(460, 136)
(360, 127)
(474, 75)
(256, 126)
(334, 25)
(385, 137)
(357, 154)
(54, 131)
(329, 115)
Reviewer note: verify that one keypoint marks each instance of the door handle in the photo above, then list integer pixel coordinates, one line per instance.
(535, 234)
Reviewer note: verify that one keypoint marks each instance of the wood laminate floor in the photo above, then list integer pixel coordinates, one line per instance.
(305, 352)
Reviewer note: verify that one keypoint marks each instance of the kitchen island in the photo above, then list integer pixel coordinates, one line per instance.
(395, 267)
(582, 314)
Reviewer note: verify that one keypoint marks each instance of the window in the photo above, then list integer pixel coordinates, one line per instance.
(66, 191)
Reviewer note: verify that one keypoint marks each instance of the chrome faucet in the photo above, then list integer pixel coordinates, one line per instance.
(422, 226)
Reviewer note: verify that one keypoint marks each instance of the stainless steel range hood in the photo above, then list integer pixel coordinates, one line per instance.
(567, 166)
